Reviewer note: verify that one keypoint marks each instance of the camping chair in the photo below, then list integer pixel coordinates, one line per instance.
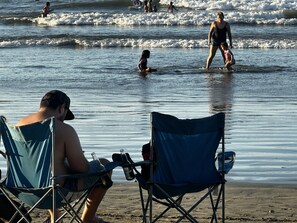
(185, 161)
(30, 179)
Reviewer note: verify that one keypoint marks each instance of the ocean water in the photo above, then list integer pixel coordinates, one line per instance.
(90, 50)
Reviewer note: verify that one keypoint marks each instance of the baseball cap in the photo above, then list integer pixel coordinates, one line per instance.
(54, 98)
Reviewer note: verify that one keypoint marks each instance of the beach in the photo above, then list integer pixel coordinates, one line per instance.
(245, 202)
(90, 50)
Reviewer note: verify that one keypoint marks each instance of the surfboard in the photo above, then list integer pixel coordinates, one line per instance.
(290, 13)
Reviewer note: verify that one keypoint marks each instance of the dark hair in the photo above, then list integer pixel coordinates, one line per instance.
(145, 53)
(221, 14)
(224, 44)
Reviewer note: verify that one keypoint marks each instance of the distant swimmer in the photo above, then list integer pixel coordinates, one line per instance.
(142, 65)
(150, 5)
(171, 7)
(46, 9)
(229, 57)
(145, 6)
(137, 3)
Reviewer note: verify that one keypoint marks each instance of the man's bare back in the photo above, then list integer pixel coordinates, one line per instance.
(69, 156)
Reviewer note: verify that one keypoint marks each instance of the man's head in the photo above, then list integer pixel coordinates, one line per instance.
(57, 99)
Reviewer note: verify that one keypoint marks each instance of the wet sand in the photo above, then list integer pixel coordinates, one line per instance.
(249, 203)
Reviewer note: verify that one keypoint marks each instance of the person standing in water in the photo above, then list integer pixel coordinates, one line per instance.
(46, 9)
(142, 65)
(171, 7)
(218, 32)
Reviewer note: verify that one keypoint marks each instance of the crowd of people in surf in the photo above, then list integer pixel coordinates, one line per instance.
(147, 5)
(150, 6)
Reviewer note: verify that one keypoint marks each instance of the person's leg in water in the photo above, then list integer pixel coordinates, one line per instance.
(229, 64)
(212, 53)
(223, 56)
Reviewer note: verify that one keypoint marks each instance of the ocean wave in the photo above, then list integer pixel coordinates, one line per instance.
(88, 42)
(192, 18)
(239, 5)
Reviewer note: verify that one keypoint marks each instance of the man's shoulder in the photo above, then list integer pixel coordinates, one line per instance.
(63, 126)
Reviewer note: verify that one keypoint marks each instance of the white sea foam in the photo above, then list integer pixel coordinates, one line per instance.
(149, 43)
(246, 5)
(188, 18)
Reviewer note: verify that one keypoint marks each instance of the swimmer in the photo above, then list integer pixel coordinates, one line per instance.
(142, 65)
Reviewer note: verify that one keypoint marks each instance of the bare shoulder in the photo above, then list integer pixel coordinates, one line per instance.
(212, 26)
(64, 128)
(66, 134)
(29, 119)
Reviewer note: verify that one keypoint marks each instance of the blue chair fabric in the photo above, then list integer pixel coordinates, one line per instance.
(29, 154)
(185, 162)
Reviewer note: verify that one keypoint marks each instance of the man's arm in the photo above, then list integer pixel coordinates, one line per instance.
(74, 154)
(212, 26)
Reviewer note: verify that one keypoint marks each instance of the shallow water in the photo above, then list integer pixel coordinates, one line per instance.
(112, 102)
(90, 50)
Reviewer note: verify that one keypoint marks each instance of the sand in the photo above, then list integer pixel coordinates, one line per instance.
(245, 202)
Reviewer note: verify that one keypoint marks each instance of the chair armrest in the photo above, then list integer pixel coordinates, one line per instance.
(126, 161)
(129, 166)
(108, 167)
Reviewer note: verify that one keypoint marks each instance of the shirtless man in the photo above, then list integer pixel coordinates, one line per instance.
(217, 35)
(68, 152)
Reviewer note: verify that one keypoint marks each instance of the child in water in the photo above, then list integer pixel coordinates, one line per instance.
(228, 55)
(142, 65)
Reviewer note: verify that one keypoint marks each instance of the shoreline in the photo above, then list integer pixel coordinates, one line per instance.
(245, 202)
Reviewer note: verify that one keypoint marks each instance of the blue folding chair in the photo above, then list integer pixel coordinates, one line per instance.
(30, 172)
(185, 160)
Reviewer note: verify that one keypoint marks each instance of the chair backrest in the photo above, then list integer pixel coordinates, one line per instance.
(186, 148)
(29, 150)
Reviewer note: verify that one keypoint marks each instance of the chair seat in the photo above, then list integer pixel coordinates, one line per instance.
(175, 189)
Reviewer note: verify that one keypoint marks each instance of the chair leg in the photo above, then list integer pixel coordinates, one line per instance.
(18, 209)
(215, 207)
